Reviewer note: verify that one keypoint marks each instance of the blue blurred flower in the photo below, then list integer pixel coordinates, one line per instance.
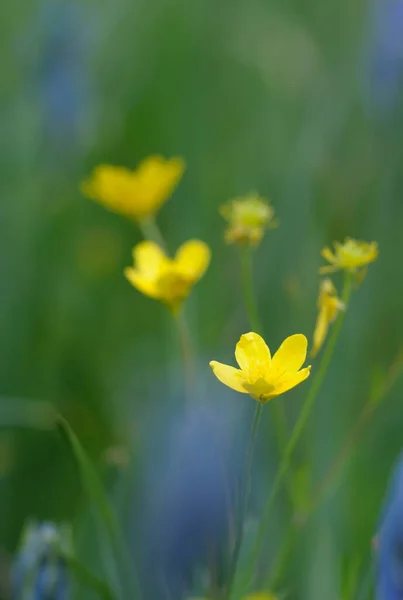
(390, 541)
(386, 53)
(39, 571)
(190, 503)
(61, 74)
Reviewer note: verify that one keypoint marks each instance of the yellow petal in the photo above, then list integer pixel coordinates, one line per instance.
(157, 178)
(290, 382)
(161, 172)
(291, 355)
(233, 378)
(192, 259)
(321, 327)
(253, 355)
(328, 255)
(148, 258)
(142, 283)
(110, 185)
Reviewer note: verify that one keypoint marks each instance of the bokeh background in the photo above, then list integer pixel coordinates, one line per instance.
(301, 101)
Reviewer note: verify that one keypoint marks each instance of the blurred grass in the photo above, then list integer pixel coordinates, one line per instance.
(263, 95)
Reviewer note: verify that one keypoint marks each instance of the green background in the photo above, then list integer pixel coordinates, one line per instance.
(273, 96)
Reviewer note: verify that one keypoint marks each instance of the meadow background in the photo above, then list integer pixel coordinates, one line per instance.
(300, 101)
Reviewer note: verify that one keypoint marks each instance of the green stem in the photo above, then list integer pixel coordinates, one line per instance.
(151, 231)
(330, 478)
(277, 408)
(96, 494)
(281, 558)
(185, 341)
(302, 420)
(244, 502)
(88, 577)
(248, 289)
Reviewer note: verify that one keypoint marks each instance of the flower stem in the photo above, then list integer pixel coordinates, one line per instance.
(91, 580)
(346, 450)
(151, 231)
(244, 501)
(97, 496)
(248, 289)
(277, 408)
(301, 422)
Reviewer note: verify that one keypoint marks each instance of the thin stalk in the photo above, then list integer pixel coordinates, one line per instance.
(151, 231)
(91, 580)
(277, 408)
(346, 451)
(354, 435)
(302, 420)
(254, 322)
(244, 501)
(187, 354)
(248, 289)
(281, 559)
(98, 497)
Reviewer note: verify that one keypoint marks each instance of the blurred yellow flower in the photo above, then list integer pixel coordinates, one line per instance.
(350, 255)
(260, 375)
(139, 193)
(247, 217)
(165, 279)
(329, 305)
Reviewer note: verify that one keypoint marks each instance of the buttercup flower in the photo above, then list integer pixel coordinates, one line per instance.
(260, 375)
(329, 305)
(351, 255)
(165, 279)
(247, 217)
(139, 193)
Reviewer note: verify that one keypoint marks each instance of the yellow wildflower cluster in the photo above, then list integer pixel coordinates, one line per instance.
(351, 256)
(139, 194)
(247, 217)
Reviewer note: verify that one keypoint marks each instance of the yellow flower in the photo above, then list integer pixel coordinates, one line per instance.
(247, 218)
(350, 255)
(329, 305)
(260, 375)
(139, 193)
(165, 279)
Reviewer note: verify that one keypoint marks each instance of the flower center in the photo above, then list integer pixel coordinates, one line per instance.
(172, 285)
